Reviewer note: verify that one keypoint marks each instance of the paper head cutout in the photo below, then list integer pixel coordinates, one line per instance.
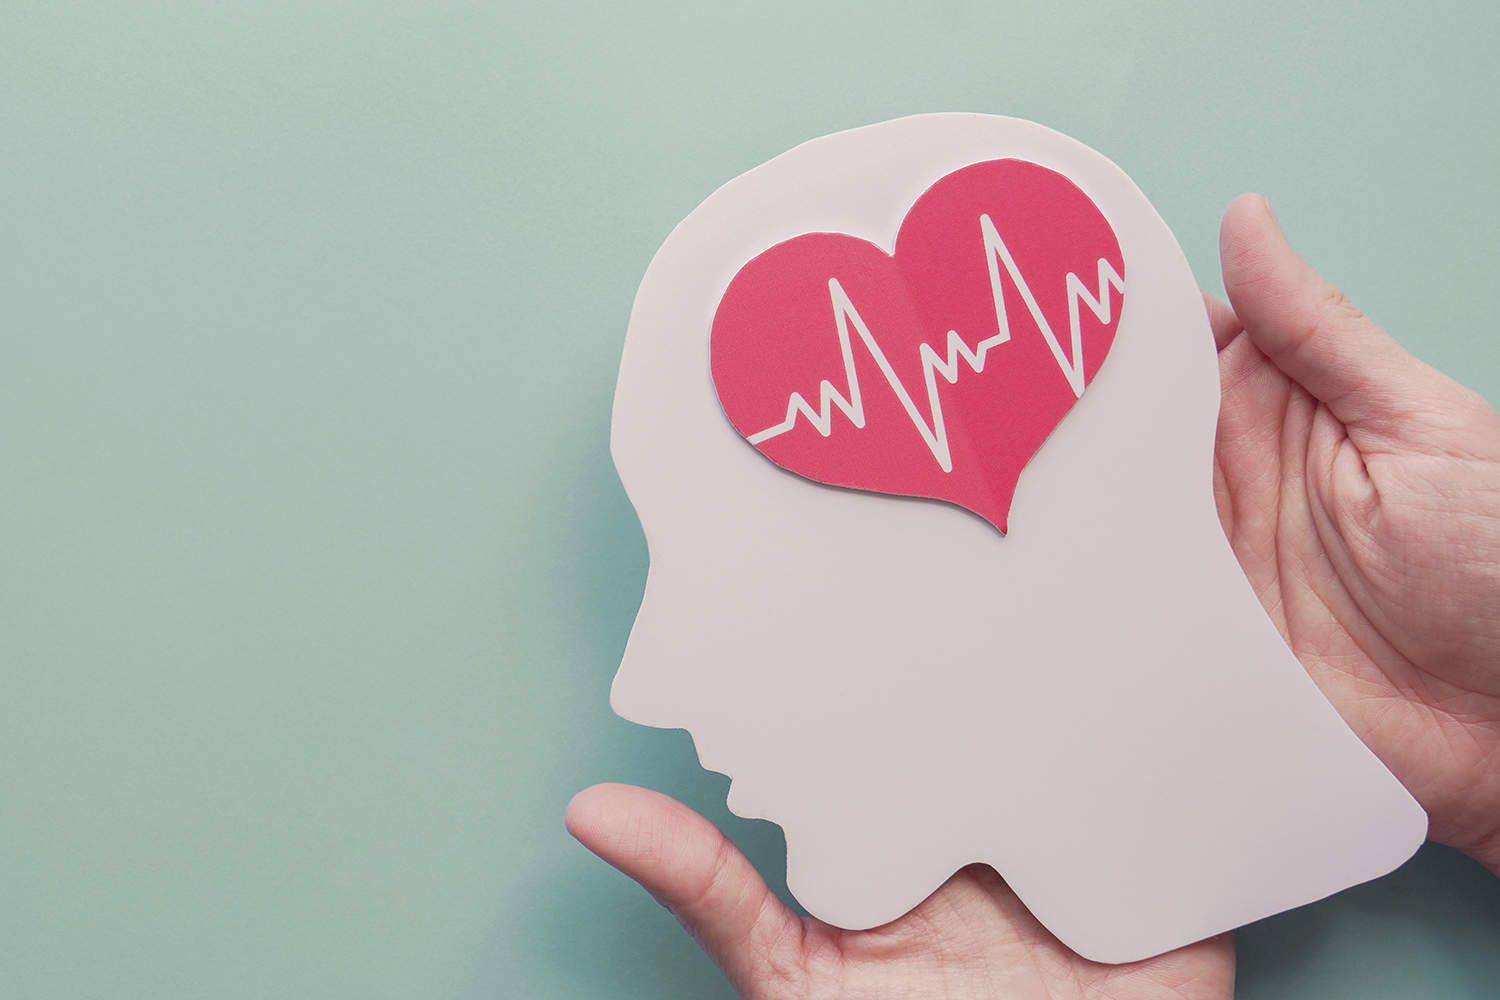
(1095, 704)
(937, 371)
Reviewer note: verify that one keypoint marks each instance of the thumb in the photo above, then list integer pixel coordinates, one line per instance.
(1310, 330)
(693, 870)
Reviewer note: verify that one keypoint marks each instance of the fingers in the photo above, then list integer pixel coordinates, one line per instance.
(693, 870)
(1308, 328)
(1222, 320)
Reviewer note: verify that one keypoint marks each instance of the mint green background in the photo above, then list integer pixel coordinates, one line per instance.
(313, 565)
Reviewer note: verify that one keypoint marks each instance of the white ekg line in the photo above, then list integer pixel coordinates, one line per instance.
(933, 365)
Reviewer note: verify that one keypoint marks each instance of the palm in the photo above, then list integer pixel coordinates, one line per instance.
(1373, 541)
(971, 939)
(974, 938)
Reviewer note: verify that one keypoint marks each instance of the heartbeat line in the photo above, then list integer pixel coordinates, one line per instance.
(933, 364)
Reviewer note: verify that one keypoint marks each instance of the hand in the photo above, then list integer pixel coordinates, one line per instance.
(1360, 489)
(971, 939)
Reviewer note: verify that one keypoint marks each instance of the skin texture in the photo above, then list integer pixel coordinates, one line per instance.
(1360, 490)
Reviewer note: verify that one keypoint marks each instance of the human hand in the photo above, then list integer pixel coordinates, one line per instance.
(971, 939)
(1360, 489)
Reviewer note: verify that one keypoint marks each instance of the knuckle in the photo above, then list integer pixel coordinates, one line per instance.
(1330, 317)
(714, 876)
(1336, 309)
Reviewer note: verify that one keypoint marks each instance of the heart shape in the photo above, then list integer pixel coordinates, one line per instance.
(937, 370)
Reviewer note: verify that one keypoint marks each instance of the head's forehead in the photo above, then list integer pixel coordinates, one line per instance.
(695, 482)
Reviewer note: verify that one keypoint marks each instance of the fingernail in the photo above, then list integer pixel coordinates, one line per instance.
(1270, 211)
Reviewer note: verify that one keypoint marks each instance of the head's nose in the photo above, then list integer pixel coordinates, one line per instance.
(627, 695)
(645, 688)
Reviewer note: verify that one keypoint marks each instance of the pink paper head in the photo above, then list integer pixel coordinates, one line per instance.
(1096, 704)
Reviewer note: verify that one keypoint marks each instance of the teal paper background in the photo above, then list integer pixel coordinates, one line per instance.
(315, 567)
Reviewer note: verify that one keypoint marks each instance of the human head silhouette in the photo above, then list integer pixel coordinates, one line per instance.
(1095, 703)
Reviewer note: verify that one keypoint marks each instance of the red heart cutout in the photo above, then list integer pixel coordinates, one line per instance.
(936, 371)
